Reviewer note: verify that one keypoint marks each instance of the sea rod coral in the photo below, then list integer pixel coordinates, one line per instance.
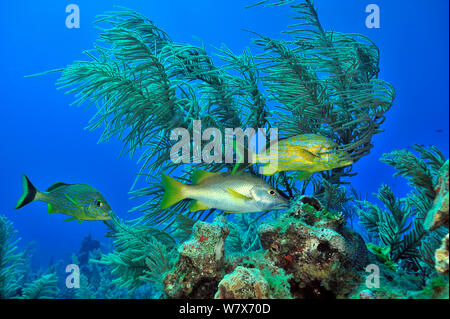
(144, 84)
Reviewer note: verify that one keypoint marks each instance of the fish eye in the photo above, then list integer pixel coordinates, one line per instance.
(272, 191)
(99, 203)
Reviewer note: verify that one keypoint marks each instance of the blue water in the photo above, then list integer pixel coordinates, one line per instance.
(42, 136)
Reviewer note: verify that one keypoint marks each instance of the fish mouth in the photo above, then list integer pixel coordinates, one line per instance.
(107, 216)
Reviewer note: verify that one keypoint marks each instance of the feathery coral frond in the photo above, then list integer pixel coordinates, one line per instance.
(44, 287)
(144, 84)
(11, 261)
(136, 247)
(401, 227)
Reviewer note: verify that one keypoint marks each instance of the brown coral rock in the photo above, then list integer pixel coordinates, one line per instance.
(438, 215)
(309, 210)
(199, 267)
(243, 283)
(323, 262)
(367, 294)
(442, 257)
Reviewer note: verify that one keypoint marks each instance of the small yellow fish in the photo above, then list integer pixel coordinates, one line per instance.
(306, 153)
(81, 201)
(231, 193)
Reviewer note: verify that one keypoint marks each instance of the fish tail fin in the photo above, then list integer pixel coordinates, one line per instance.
(29, 193)
(174, 191)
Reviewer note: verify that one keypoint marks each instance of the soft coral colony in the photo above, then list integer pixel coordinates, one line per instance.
(143, 85)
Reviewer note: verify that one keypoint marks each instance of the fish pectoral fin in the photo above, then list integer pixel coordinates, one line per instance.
(51, 210)
(70, 219)
(72, 200)
(302, 175)
(197, 205)
(307, 155)
(237, 194)
(233, 212)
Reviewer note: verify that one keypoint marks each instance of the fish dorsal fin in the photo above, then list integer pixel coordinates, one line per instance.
(55, 186)
(196, 206)
(199, 176)
(307, 155)
(237, 194)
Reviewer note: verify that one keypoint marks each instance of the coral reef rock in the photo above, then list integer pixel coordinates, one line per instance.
(438, 215)
(309, 200)
(276, 277)
(442, 257)
(199, 268)
(243, 283)
(324, 263)
(366, 294)
(310, 211)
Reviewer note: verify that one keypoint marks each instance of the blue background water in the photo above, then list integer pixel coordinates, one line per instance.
(44, 138)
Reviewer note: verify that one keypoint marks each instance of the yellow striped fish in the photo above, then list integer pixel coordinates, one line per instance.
(81, 201)
(306, 153)
(241, 193)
